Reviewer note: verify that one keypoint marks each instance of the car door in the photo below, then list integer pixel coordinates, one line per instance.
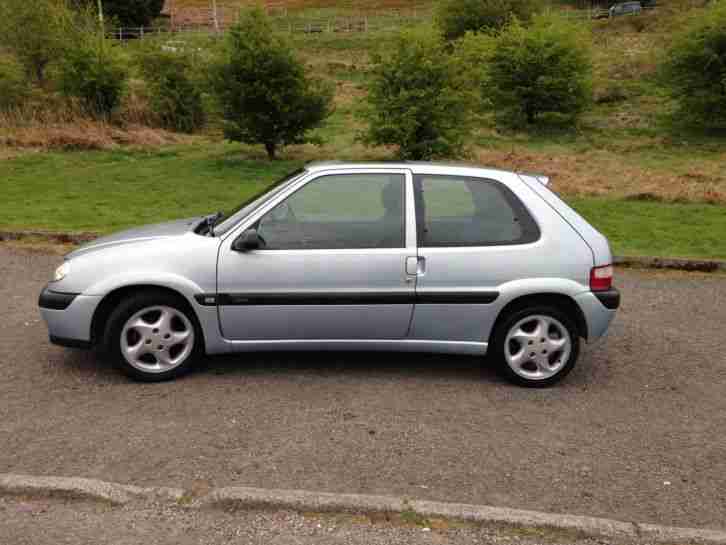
(473, 236)
(333, 263)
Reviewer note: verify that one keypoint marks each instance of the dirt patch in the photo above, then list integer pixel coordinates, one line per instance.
(600, 173)
(85, 135)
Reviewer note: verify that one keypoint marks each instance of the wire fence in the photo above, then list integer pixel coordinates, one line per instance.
(211, 22)
(219, 20)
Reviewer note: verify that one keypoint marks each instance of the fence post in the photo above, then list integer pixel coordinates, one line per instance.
(214, 16)
(121, 34)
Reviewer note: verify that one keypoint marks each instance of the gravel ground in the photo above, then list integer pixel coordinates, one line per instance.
(635, 433)
(41, 522)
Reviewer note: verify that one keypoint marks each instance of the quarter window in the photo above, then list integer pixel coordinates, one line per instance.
(460, 211)
(337, 212)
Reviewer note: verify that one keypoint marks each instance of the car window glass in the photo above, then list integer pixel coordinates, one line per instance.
(458, 211)
(338, 212)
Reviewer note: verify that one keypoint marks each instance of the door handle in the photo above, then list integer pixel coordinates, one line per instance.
(415, 266)
(411, 266)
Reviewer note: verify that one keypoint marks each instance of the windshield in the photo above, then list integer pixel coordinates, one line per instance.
(226, 222)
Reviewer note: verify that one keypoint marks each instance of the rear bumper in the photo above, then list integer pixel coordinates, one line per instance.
(610, 298)
(68, 317)
(598, 314)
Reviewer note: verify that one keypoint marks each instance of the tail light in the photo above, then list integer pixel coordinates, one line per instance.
(601, 278)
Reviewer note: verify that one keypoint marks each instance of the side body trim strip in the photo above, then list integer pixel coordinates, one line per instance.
(338, 298)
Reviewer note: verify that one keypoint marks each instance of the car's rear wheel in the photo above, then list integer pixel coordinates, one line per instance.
(153, 336)
(536, 346)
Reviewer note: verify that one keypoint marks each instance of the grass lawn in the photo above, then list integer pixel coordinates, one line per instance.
(107, 191)
(657, 229)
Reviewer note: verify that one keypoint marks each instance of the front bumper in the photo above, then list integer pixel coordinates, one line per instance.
(68, 316)
(599, 309)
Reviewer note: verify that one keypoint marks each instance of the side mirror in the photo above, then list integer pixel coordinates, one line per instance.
(247, 241)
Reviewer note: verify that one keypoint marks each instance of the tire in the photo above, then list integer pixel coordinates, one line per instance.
(527, 358)
(153, 336)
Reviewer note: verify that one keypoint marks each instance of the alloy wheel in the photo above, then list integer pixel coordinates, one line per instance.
(157, 339)
(537, 347)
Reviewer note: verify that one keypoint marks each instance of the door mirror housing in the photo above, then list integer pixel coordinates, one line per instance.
(247, 241)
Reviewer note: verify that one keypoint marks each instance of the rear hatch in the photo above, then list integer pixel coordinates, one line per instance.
(593, 238)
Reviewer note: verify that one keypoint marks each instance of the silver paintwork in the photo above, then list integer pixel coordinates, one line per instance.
(310, 271)
(172, 256)
(75, 321)
(153, 333)
(537, 347)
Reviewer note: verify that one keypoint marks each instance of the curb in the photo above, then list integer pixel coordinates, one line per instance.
(62, 238)
(78, 488)
(699, 265)
(305, 501)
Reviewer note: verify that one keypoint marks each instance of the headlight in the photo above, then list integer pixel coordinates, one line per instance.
(62, 271)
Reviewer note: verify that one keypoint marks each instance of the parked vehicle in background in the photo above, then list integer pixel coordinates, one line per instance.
(626, 8)
(387, 256)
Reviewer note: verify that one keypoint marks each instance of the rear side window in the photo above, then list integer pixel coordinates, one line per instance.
(461, 211)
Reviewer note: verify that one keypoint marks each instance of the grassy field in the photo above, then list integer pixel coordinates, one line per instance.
(652, 188)
(106, 191)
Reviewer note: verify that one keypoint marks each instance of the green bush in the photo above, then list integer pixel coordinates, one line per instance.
(414, 101)
(96, 75)
(13, 88)
(175, 96)
(695, 69)
(36, 32)
(539, 73)
(264, 93)
(457, 17)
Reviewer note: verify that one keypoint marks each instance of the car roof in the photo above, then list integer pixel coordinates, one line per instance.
(417, 167)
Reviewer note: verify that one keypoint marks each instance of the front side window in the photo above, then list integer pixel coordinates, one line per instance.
(342, 211)
(460, 211)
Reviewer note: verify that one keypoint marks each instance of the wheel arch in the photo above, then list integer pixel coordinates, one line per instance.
(113, 298)
(563, 302)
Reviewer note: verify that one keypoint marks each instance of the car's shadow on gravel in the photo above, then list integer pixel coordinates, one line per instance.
(359, 364)
(375, 364)
(90, 365)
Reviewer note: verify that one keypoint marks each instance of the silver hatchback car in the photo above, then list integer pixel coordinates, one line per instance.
(385, 256)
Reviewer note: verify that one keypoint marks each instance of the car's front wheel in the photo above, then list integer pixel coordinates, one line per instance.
(536, 346)
(153, 336)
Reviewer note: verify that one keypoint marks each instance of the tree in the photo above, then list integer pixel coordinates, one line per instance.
(13, 87)
(694, 69)
(95, 75)
(263, 90)
(127, 13)
(175, 95)
(457, 17)
(91, 70)
(36, 32)
(545, 68)
(413, 99)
